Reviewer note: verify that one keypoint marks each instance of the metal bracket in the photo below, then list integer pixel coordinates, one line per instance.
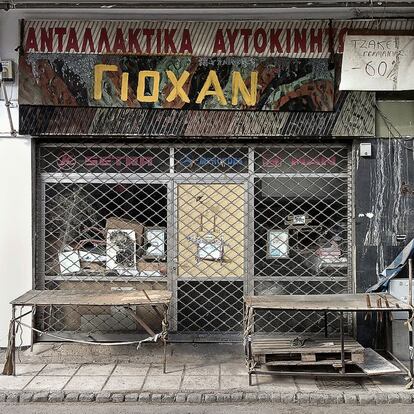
(13, 132)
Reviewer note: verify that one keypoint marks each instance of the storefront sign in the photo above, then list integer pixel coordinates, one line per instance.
(378, 63)
(271, 66)
(214, 160)
(65, 159)
(277, 38)
(263, 66)
(291, 160)
(275, 84)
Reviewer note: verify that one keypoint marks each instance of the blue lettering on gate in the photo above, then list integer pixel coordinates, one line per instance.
(215, 161)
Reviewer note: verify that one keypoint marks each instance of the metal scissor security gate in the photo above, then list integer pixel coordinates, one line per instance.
(210, 223)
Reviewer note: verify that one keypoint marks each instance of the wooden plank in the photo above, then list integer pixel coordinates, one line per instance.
(375, 364)
(267, 349)
(27, 297)
(358, 357)
(275, 351)
(314, 345)
(344, 302)
(87, 298)
(305, 357)
(329, 362)
(134, 316)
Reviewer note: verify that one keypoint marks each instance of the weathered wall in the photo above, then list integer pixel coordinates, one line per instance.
(15, 197)
(384, 208)
(378, 180)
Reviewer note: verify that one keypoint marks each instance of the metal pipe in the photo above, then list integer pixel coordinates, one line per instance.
(23, 315)
(254, 4)
(341, 328)
(13, 341)
(410, 346)
(356, 8)
(410, 282)
(13, 132)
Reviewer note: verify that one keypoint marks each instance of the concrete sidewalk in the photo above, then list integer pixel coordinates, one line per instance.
(195, 373)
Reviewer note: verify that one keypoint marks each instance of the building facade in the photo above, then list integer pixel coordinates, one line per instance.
(216, 159)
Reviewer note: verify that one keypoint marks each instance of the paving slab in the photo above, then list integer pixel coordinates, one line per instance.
(172, 369)
(28, 369)
(276, 383)
(59, 369)
(214, 370)
(200, 382)
(8, 382)
(96, 369)
(131, 370)
(47, 383)
(229, 382)
(390, 384)
(162, 383)
(233, 369)
(86, 383)
(305, 384)
(126, 383)
(202, 369)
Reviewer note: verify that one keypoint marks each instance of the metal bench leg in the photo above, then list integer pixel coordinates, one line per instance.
(10, 362)
(410, 347)
(164, 335)
(14, 340)
(341, 327)
(165, 356)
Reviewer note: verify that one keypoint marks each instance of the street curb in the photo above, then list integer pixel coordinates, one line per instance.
(300, 398)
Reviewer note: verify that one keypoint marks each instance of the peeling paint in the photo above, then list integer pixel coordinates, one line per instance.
(389, 211)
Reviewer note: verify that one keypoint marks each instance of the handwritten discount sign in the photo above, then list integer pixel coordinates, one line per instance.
(378, 63)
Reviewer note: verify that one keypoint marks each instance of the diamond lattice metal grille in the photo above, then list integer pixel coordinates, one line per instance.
(212, 223)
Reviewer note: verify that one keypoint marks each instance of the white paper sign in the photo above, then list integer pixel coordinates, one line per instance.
(378, 63)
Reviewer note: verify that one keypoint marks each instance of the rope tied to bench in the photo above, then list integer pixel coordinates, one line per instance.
(299, 342)
(81, 341)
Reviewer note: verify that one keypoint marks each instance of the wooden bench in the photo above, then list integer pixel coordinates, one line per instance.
(286, 352)
(312, 350)
(158, 300)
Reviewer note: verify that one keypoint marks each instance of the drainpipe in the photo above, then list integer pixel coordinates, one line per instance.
(13, 132)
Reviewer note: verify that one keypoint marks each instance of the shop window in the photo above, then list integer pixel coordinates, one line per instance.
(395, 114)
(211, 223)
(105, 230)
(311, 215)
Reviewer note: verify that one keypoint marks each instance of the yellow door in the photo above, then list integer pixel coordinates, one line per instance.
(210, 230)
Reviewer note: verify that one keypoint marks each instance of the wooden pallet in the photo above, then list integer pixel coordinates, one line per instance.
(281, 350)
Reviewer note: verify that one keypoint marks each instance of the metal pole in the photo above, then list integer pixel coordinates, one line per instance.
(410, 317)
(341, 328)
(410, 345)
(326, 323)
(410, 282)
(164, 330)
(165, 356)
(13, 344)
(13, 132)
(32, 336)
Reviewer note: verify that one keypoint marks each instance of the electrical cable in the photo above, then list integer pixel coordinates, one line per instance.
(80, 341)
(392, 128)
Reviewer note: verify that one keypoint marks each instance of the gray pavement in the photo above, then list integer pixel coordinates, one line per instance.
(192, 377)
(203, 373)
(200, 409)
